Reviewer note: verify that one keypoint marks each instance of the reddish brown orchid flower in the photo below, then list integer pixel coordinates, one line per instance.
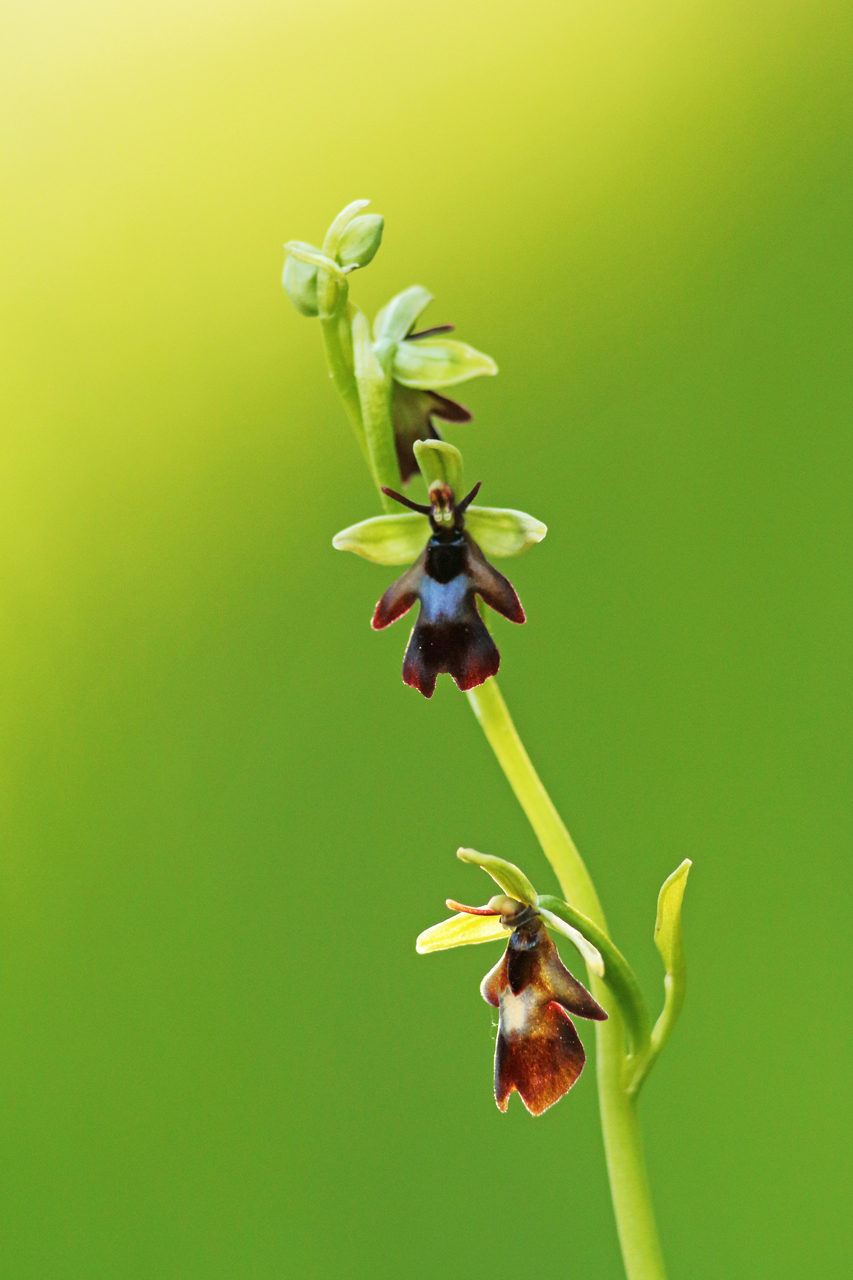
(538, 1053)
(451, 571)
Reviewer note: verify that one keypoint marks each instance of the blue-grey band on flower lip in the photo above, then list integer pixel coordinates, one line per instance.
(450, 570)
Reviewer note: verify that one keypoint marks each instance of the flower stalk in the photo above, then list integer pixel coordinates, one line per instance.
(391, 386)
(623, 1144)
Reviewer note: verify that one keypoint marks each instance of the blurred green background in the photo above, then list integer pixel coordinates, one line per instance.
(225, 818)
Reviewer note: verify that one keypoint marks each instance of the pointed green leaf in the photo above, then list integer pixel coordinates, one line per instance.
(300, 281)
(669, 941)
(430, 363)
(461, 931)
(360, 240)
(439, 460)
(386, 539)
(668, 936)
(396, 319)
(500, 531)
(511, 878)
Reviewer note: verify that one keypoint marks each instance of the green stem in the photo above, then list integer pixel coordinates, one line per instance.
(374, 393)
(629, 1185)
(366, 397)
(495, 721)
(343, 372)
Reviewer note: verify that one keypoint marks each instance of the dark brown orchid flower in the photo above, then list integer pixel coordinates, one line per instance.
(449, 635)
(538, 1052)
(413, 411)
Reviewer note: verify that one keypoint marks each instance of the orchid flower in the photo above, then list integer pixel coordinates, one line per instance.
(422, 366)
(538, 1053)
(449, 539)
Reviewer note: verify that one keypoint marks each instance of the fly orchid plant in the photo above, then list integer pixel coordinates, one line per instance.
(392, 380)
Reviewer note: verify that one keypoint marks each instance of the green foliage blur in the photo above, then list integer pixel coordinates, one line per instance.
(225, 819)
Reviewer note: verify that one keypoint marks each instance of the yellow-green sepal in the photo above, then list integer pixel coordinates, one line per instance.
(462, 930)
(511, 878)
(394, 539)
(438, 460)
(500, 531)
(396, 318)
(430, 363)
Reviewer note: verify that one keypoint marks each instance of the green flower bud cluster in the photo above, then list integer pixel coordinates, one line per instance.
(352, 241)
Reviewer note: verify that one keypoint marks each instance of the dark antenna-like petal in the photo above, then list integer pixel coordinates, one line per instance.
(428, 333)
(462, 506)
(406, 502)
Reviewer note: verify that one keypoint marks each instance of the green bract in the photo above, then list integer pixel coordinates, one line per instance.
(373, 391)
(669, 939)
(670, 943)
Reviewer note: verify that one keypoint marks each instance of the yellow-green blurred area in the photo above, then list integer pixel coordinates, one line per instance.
(224, 817)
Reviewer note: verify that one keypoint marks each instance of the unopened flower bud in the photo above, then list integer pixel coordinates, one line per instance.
(360, 240)
(300, 282)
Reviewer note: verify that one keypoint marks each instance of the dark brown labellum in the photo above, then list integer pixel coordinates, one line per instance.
(538, 1053)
